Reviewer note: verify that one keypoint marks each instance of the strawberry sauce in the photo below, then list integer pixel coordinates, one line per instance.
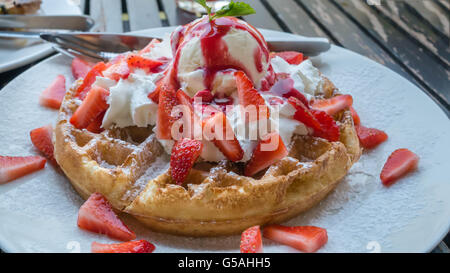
(214, 48)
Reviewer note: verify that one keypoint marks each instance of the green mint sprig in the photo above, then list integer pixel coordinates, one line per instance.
(232, 9)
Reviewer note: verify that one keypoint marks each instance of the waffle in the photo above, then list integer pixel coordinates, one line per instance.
(130, 168)
(19, 6)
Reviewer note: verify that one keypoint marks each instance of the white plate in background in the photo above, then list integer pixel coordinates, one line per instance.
(38, 212)
(12, 56)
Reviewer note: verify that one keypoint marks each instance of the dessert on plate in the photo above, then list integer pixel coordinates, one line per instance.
(115, 131)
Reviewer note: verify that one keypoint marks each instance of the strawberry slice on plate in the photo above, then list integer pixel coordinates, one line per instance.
(304, 238)
(141, 246)
(93, 105)
(149, 47)
(333, 105)
(90, 78)
(251, 241)
(399, 163)
(369, 138)
(291, 57)
(13, 167)
(184, 154)
(53, 95)
(42, 140)
(249, 96)
(269, 150)
(217, 129)
(97, 215)
(80, 68)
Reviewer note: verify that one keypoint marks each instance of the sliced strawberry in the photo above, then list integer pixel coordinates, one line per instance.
(97, 215)
(184, 154)
(141, 246)
(205, 95)
(266, 154)
(355, 116)
(90, 78)
(80, 68)
(117, 71)
(53, 95)
(167, 101)
(333, 105)
(329, 129)
(399, 163)
(248, 95)
(42, 140)
(251, 241)
(370, 137)
(291, 57)
(149, 47)
(303, 114)
(96, 126)
(91, 108)
(225, 140)
(136, 61)
(13, 167)
(284, 87)
(194, 120)
(303, 238)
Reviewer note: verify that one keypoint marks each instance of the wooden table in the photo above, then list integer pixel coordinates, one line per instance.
(411, 37)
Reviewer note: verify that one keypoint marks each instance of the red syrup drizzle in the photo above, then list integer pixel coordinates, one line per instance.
(215, 51)
(284, 87)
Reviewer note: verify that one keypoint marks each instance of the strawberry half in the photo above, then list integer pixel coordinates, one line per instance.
(96, 126)
(248, 95)
(265, 154)
(13, 167)
(97, 215)
(42, 140)
(141, 246)
(333, 105)
(53, 95)
(251, 241)
(304, 238)
(184, 154)
(225, 140)
(355, 116)
(149, 47)
(291, 57)
(80, 68)
(90, 78)
(399, 163)
(93, 105)
(137, 61)
(370, 137)
(117, 71)
(329, 129)
(167, 101)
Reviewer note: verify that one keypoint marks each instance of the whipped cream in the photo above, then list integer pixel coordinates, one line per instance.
(128, 101)
(306, 77)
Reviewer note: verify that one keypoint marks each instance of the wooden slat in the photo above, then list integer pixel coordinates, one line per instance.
(295, 18)
(425, 67)
(347, 34)
(175, 16)
(262, 18)
(143, 14)
(432, 13)
(107, 15)
(417, 29)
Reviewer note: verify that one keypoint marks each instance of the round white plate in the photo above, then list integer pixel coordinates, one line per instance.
(39, 212)
(13, 56)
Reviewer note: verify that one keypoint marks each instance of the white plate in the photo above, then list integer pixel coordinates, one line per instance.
(12, 56)
(38, 212)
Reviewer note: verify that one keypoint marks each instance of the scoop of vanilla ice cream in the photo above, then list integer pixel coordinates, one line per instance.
(241, 47)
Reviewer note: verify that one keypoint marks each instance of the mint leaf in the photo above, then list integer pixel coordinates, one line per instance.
(234, 9)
